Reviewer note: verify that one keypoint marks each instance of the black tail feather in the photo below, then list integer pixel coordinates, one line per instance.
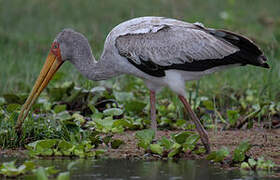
(249, 52)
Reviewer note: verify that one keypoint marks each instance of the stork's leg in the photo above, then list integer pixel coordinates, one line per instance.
(202, 132)
(153, 110)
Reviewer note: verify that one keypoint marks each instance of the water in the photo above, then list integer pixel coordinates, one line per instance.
(112, 169)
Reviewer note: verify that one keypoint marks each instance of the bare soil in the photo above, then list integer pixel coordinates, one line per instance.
(264, 142)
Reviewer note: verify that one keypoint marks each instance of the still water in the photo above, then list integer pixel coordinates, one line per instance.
(112, 169)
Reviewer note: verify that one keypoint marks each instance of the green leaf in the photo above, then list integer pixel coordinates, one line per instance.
(192, 139)
(240, 151)
(265, 165)
(13, 107)
(104, 125)
(113, 112)
(245, 165)
(166, 143)
(51, 170)
(65, 148)
(9, 169)
(41, 174)
(30, 165)
(116, 143)
(99, 152)
(208, 104)
(123, 96)
(218, 156)
(181, 137)
(63, 176)
(79, 118)
(156, 149)
(145, 137)
(72, 164)
(180, 123)
(252, 162)
(107, 139)
(232, 116)
(176, 149)
(59, 108)
(134, 106)
(12, 99)
(190, 142)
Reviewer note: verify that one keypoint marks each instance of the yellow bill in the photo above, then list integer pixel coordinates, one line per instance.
(50, 67)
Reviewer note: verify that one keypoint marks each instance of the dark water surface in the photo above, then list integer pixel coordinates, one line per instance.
(112, 169)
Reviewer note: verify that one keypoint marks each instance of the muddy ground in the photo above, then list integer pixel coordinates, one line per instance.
(264, 142)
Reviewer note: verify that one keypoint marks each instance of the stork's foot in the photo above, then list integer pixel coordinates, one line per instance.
(202, 132)
(205, 140)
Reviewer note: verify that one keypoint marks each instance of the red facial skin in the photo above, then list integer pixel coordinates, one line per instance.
(56, 50)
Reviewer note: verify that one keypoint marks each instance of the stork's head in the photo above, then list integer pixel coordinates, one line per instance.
(67, 45)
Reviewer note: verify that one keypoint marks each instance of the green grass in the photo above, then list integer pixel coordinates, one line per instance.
(27, 28)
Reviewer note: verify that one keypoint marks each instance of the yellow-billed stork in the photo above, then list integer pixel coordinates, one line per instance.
(161, 51)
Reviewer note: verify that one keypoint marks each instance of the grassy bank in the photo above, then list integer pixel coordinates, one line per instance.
(28, 28)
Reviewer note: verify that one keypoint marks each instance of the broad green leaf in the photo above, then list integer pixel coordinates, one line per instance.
(51, 170)
(113, 112)
(116, 143)
(176, 149)
(123, 96)
(63, 176)
(104, 125)
(99, 152)
(107, 139)
(13, 107)
(12, 99)
(46, 144)
(2, 100)
(41, 174)
(59, 108)
(156, 149)
(218, 156)
(166, 143)
(181, 137)
(252, 162)
(72, 164)
(190, 142)
(146, 134)
(240, 151)
(79, 118)
(180, 123)
(232, 116)
(9, 169)
(65, 147)
(134, 106)
(171, 107)
(208, 104)
(265, 165)
(30, 165)
(192, 139)
(245, 165)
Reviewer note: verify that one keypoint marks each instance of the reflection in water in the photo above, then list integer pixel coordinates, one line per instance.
(138, 169)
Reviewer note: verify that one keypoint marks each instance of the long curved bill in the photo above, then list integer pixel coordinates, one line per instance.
(50, 67)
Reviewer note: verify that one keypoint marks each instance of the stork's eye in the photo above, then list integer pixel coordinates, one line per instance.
(55, 45)
(55, 50)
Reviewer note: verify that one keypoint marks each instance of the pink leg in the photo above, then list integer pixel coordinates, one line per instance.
(153, 110)
(202, 132)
